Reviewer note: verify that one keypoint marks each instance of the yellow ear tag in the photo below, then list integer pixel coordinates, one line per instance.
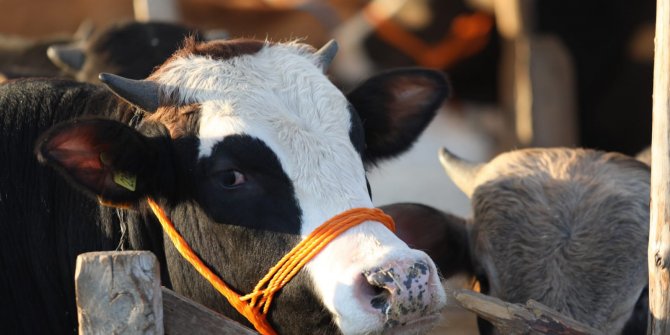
(125, 180)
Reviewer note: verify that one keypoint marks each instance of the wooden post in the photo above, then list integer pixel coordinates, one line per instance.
(538, 85)
(659, 232)
(532, 318)
(119, 292)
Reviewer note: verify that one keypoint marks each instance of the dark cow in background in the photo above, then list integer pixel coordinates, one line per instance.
(248, 147)
(21, 57)
(565, 227)
(129, 49)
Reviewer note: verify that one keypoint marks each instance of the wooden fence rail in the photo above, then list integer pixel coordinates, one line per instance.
(513, 319)
(120, 293)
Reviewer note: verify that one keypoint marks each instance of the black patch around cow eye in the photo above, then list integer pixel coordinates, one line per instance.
(231, 179)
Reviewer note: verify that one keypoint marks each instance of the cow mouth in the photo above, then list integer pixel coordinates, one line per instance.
(416, 326)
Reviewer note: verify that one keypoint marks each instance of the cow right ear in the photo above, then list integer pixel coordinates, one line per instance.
(106, 159)
(442, 236)
(395, 107)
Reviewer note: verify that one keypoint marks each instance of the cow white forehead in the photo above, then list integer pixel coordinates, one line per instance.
(281, 96)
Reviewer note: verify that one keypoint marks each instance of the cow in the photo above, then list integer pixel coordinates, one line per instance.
(23, 57)
(20, 57)
(565, 227)
(247, 147)
(129, 48)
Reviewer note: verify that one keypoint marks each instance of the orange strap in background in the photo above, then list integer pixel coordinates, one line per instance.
(255, 305)
(468, 34)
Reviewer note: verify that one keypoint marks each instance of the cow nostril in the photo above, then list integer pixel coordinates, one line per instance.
(369, 288)
(373, 292)
(378, 290)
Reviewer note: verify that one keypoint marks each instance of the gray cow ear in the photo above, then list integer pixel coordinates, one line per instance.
(69, 57)
(140, 93)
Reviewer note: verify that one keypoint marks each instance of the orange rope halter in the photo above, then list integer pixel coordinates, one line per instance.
(255, 305)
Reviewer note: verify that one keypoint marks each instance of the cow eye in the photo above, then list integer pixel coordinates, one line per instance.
(231, 178)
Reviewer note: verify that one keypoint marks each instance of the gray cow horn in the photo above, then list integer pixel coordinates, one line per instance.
(141, 93)
(461, 172)
(327, 53)
(69, 57)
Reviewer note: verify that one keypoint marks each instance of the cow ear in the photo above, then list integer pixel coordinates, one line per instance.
(106, 159)
(442, 236)
(396, 106)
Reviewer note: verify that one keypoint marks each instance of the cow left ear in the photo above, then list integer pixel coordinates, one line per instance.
(395, 107)
(106, 159)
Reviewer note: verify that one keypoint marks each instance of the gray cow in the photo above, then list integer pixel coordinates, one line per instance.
(565, 227)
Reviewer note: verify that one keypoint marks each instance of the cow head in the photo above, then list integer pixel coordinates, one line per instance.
(249, 147)
(565, 227)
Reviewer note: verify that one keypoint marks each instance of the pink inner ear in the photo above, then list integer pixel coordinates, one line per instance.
(79, 154)
(411, 94)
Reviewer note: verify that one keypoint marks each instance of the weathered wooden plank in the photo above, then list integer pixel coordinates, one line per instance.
(659, 232)
(183, 316)
(118, 293)
(532, 318)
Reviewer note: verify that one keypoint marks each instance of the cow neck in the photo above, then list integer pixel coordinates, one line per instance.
(255, 305)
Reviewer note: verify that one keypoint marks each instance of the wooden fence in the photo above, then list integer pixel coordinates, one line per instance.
(120, 293)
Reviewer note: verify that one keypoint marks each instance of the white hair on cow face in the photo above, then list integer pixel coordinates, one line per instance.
(297, 112)
(305, 120)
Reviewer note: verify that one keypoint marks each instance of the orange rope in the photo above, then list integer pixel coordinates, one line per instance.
(250, 306)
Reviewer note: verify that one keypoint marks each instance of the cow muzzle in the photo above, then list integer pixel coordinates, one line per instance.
(403, 291)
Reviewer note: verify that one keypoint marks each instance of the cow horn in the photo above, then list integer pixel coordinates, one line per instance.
(69, 57)
(327, 53)
(461, 172)
(141, 93)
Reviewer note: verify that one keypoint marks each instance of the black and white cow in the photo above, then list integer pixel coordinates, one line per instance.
(248, 147)
(565, 227)
(130, 49)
